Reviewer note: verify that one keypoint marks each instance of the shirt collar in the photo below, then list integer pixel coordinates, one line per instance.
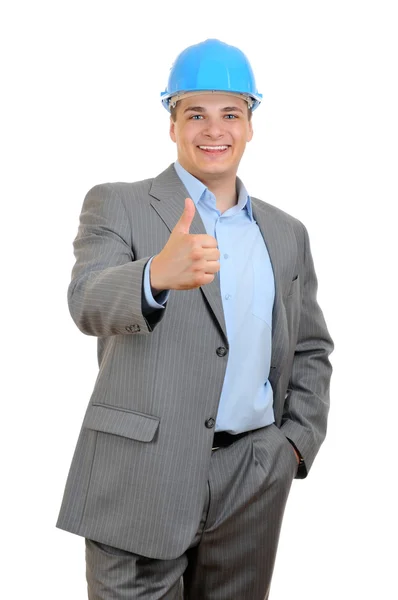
(196, 189)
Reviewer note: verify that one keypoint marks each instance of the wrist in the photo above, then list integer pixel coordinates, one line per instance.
(299, 458)
(156, 285)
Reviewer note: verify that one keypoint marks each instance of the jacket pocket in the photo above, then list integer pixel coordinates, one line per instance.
(294, 286)
(118, 421)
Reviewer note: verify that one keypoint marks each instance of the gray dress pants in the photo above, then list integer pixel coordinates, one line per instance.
(233, 553)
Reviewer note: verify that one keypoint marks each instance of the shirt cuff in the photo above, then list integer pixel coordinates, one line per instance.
(149, 304)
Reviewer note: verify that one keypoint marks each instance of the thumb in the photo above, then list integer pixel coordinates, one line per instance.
(185, 221)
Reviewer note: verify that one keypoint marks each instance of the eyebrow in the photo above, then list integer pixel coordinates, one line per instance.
(232, 109)
(200, 109)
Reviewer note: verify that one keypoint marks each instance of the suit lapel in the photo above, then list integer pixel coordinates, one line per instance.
(281, 244)
(169, 194)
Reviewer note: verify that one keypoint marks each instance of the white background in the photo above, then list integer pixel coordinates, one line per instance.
(81, 85)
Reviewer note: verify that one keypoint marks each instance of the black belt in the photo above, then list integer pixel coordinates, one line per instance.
(222, 439)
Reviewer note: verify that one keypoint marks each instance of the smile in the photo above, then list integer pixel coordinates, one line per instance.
(214, 149)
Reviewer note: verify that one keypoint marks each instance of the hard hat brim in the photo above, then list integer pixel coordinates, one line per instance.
(168, 100)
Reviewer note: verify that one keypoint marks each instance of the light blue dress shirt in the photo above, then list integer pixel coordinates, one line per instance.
(247, 290)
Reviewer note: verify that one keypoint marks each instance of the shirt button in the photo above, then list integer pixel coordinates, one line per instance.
(221, 351)
(227, 296)
(226, 255)
(210, 423)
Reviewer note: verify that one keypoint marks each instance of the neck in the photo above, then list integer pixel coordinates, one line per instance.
(225, 193)
(224, 189)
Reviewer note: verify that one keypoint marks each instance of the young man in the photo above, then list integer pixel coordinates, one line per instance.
(213, 388)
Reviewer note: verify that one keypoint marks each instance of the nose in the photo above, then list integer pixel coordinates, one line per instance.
(214, 129)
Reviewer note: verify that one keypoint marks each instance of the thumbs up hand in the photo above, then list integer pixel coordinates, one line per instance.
(187, 260)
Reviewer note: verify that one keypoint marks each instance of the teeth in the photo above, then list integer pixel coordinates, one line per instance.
(213, 147)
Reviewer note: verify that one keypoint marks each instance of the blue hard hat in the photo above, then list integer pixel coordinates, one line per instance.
(211, 66)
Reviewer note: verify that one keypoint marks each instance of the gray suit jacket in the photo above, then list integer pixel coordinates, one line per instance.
(139, 472)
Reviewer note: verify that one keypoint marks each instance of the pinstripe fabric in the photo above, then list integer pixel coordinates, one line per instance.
(119, 575)
(249, 485)
(138, 476)
(233, 552)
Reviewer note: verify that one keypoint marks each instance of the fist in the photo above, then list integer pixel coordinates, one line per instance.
(187, 260)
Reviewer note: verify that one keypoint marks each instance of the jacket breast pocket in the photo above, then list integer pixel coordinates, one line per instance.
(294, 287)
(126, 423)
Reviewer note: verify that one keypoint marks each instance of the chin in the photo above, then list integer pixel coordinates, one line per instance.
(220, 170)
(214, 168)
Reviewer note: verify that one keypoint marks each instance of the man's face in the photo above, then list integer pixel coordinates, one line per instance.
(211, 132)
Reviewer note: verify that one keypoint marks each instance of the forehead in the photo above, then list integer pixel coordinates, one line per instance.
(213, 102)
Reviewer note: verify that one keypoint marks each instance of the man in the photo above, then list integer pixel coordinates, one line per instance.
(213, 387)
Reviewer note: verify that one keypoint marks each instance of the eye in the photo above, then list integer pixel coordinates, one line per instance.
(197, 117)
(231, 117)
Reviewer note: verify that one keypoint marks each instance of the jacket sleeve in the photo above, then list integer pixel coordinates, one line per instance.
(105, 294)
(307, 401)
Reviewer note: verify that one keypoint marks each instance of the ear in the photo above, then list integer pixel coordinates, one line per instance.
(172, 130)
(250, 132)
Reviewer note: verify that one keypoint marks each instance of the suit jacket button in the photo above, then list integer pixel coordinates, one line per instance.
(210, 423)
(221, 351)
